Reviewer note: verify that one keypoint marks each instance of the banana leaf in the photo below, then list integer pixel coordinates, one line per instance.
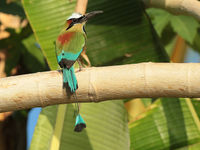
(169, 123)
(122, 34)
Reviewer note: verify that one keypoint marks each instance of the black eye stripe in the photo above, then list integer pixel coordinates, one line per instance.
(77, 20)
(80, 18)
(74, 20)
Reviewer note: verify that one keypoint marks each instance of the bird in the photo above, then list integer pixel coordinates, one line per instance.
(69, 45)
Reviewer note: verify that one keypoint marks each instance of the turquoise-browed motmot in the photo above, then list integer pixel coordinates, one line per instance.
(69, 45)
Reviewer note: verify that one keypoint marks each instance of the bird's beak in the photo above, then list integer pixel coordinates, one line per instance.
(85, 18)
(90, 15)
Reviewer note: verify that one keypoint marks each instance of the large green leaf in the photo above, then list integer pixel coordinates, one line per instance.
(190, 147)
(196, 44)
(123, 34)
(121, 37)
(47, 18)
(45, 126)
(102, 126)
(170, 123)
(185, 26)
(196, 104)
(160, 18)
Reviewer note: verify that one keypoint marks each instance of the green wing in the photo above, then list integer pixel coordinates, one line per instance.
(71, 42)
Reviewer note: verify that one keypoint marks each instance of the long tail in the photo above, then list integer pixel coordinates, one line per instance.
(70, 78)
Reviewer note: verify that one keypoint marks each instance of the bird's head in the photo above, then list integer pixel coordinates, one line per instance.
(79, 20)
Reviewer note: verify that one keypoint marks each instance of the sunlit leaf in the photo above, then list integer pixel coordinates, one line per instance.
(117, 36)
(185, 26)
(168, 124)
(160, 19)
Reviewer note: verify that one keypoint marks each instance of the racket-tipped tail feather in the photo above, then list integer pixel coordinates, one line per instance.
(80, 124)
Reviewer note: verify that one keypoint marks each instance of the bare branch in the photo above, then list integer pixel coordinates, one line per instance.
(98, 84)
(184, 7)
(81, 6)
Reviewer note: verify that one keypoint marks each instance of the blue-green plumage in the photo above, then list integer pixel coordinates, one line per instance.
(79, 124)
(79, 120)
(68, 55)
(70, 79)
(69, 76)
(69, 45)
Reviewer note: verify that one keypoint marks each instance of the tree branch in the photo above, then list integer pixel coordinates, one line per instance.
(98, 84)
(81, 6)
(184, 7)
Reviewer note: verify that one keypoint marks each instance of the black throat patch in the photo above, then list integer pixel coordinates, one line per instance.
(65, 63)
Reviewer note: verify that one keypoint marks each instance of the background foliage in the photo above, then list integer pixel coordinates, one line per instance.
(124, 34)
